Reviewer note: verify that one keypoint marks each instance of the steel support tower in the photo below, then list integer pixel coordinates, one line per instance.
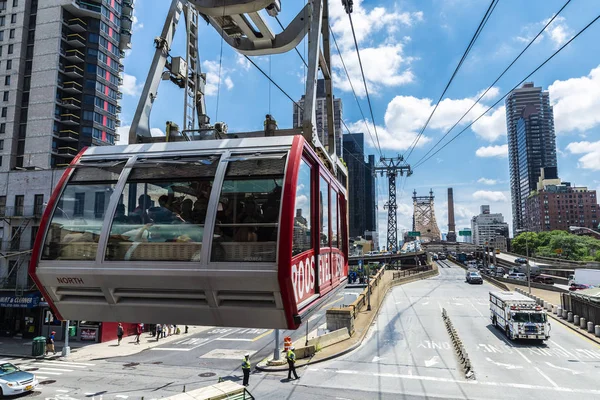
(424, 217)
(391, 167)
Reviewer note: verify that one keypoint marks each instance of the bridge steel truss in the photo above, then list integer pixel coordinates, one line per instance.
(424, 217)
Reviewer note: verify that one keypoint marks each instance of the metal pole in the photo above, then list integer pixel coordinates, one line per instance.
(306, 342)
(66, 350)
(276, 351)
(528, 268)
(368, 289)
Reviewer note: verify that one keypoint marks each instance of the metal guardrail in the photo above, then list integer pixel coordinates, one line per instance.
(21, 211)
(411, 271)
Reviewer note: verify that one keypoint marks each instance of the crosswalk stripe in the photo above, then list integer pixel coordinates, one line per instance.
(41, 377)
(64, 364)
(50, 373)
(54, 369)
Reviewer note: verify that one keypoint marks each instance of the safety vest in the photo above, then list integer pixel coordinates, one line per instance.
(245, 364)
(291, 356)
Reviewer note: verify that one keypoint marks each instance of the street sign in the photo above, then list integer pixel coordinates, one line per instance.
(414, 233)
(558, 251)
(464, 233)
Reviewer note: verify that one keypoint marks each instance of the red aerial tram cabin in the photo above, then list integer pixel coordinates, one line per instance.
(245, 232)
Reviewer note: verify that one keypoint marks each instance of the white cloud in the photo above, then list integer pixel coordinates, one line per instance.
(492, 126)
(136, 25)
(558, 31)
(211, 68)
(591, 154)
(243, 62)
(491, 94)
(493, 151)
(385, 64)
(487, 181)
(130, 87)
(576, 102)
(488, 195)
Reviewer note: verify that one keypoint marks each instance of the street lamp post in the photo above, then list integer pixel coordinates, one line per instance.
(527, 259)
(368, 288)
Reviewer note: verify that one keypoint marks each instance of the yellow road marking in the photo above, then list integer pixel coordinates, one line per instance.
(333, 302)
(262, 335)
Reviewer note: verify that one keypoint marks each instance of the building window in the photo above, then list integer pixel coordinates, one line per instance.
(15, 3)
(34, 231)
(9, 64)
(1, 36)
(7, 80)
(4, 112)
(13, 18)
(1, 144)
(10, 48)
(2, 19)
(38, 204)
(2, 127)
(19, 204)
(79, 204)
(11, 34)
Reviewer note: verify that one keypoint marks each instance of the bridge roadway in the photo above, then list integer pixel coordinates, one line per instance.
(408, 352)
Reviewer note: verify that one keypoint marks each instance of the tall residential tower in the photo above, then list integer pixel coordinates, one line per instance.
(531, 144)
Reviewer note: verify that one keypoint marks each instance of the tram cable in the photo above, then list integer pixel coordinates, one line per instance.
(507, 93)
(353, 91)
(495, 81)
(220, 66)
(295, 48)
(348, 7)
(482, 24)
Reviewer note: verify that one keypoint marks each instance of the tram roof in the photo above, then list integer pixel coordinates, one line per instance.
(253, 144)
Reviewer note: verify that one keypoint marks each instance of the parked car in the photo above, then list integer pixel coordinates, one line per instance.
(15, 381)
(543, 279)
(578, 286)
(474, 277)
(442, 256)
(435, 257)
(520, 260)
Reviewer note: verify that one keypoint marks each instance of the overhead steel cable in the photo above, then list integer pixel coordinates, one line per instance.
(353, 91)
(295, 48)
(482, 24)
(273, 82)
(362, 71)
(496, 81)
(514, 87)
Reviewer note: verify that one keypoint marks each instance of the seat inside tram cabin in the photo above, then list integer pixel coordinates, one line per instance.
(162, 210)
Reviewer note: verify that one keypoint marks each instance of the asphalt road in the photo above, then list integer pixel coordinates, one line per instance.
(406, 355)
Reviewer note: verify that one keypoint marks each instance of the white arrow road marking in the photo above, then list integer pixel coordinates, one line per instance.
(375, 359)
(425, 303)
(563, 368)
(507, 366)
(432, 361)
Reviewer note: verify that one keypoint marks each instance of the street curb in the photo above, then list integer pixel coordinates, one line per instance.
(354, 346)
(54, 358)
(574, 328)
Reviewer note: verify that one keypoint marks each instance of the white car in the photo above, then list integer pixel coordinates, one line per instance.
(15, 381)
(517, 275)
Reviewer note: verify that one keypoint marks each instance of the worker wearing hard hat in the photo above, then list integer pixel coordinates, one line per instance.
(291, 360)
(246, 368)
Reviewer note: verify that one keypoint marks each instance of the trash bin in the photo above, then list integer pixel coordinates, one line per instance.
(39, 346)
(72, 331)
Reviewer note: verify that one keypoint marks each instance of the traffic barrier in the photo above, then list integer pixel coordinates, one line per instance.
(597, 330)
(569, 316)
(558, 311)
(565, 314)
(461, 353)
(328, 339)
(576, 319)
(590, 327)
(582, 323)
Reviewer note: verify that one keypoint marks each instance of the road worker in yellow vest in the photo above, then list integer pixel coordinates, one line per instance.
(246, 368)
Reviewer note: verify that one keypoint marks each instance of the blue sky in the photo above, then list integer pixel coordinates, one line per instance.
(409, 50)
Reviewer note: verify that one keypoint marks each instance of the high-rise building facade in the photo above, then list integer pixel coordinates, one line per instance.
(321, 115)
(362, 198)
(60, 72)
(486, 226)
(531, 144)
(557, 205)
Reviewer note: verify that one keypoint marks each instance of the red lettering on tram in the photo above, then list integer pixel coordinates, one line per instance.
(303, 276)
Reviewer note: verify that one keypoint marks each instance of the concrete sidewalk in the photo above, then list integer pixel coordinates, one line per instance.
(362, 323)
(84, 351)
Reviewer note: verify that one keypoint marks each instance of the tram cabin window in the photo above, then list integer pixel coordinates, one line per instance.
(77, 220)
(247, 223)
(161, 213)
(324, 211)
(302, 239)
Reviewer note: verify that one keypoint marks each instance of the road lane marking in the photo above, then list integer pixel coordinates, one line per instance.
(507, 366)
(233, 340)
(263, 335)
(547, 377)
(476, 309)
(563, 368)
(333, 302)
(516, 349)
(195, 347)
(457, 381)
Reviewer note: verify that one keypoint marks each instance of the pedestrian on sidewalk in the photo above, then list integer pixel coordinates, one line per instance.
(50, 343)
(246, 368)
(138, 333)
(164, 330)
(291, 360)
(119, 333)
(158, 331)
